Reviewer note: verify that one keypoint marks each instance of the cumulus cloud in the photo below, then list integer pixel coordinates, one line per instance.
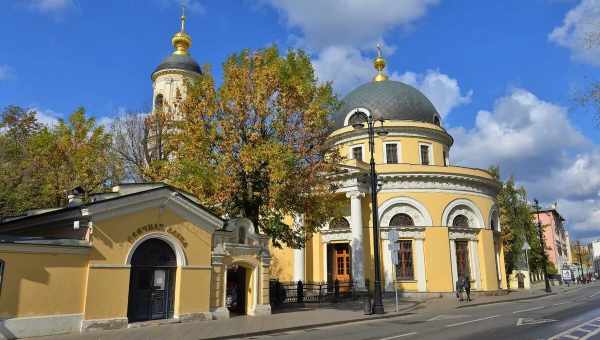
(6, 72)
(47, 6)
(443, 91)
(46, 116)
(535, 141)
(580, 32)
(348, 22)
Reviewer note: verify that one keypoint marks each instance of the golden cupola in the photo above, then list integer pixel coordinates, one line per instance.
(181, 40)
(379, 64)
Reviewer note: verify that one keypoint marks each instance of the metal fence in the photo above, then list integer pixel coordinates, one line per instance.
(285, 293)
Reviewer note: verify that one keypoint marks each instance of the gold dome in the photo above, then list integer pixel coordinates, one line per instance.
(379, 64)
(181, 40)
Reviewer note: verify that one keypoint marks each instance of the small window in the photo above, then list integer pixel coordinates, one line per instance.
(460, 221)
(445, 158)
(158, 102)
(357, 153)
(357, 118)
(436, 120)
(391, 153)
(400, 220)
(425, 155)
(404, 268)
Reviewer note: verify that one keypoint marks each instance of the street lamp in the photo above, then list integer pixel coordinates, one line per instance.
(526, 247)
(543, 247)
(358, 122)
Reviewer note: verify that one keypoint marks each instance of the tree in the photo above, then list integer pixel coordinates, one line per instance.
(256, 145)
(141, 141)
(40, 164)
(517, 226)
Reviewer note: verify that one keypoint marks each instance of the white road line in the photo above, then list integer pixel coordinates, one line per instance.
(471, 321)
(398, 336)
(589, 334)
(528, 310)
(560, 303)
(594, 294)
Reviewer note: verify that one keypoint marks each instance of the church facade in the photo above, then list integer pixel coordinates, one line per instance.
(446, 216)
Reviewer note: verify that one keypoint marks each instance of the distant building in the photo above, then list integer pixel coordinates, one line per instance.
(556, 237)
(595, 245)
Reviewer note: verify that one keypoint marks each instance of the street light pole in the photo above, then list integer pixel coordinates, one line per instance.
(377, 294)
(543, 248)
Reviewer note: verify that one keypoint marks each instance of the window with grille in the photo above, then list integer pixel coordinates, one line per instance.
(357, 118)
(357, 153)
(460, 221)
(400, 220)
(404, 268)
(391, 153)
(425, 155)
(339, 223)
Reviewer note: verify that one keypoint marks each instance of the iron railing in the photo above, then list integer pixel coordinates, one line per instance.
(285, 293)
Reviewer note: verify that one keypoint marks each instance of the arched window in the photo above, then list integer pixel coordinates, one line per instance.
(401, 220)
(494, 222)
(357, 118)
(436, 120)
(339, 223)
(158, 102)
(460, 221)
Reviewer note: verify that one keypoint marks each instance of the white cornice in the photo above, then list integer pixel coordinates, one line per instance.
(395, 131)
(42, 249)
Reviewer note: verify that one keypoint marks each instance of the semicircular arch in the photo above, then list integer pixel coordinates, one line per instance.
(170, 240)
(464, 207)
(404, 205)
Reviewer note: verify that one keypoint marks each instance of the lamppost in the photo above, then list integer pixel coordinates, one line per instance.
(542, 247)
(358, 122)
(526, 247)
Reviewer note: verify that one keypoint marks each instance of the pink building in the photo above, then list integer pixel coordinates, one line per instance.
(556, 238)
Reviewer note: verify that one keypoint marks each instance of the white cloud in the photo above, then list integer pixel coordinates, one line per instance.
(443, 91)
(6, 72)
(46, 117)
(535, 141)
(581, 24)
(47, 6)
(348, 22)
(345, 66)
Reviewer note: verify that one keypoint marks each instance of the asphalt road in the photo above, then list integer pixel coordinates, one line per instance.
(566, 316)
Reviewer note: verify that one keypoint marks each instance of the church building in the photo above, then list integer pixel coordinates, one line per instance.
(446, 216)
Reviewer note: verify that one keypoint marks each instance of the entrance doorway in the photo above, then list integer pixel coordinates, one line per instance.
(338, 263)
(151, 282)
(462, 259)
(236, 290)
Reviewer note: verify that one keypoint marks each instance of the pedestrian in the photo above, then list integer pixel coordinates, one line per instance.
(459, 289)
(467, 286)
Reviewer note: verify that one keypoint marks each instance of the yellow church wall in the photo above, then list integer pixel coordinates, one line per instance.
(487, 260)
(407, 286)
(503, 284)
(193, 290)
(282, 263)
(107, 293)
(112, 238)
(54, 285)
(438, 266)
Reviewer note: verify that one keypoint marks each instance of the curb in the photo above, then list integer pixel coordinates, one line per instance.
(314, 325)
(508, 300)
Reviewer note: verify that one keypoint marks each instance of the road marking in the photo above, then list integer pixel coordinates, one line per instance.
(594, 294)
(528, 310)
(566, 334)
(560, 303)
(398, 336)
(529, 321)
(471, 321)
(448, 317)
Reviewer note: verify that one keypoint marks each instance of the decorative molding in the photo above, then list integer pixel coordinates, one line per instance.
(439, 182)
(336, 236)
(417, 211)
(353, 111)
(455, 233)
(417, 233)
(196, 267)
(428, 133)
(43, 249)
(171, 241)
(102, 265)
(464, 207)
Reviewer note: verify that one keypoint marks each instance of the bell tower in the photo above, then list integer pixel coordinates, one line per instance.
(168, 79)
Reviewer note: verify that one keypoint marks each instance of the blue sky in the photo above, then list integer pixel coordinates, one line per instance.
(503, 74)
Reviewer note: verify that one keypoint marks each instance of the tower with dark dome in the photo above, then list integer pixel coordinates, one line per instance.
(169, 76)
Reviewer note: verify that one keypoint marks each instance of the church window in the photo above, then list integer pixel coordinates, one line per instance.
(494, 224)
(401, 220)
(445, 158)
(404, 268)
(436, 120)
(357, 118)
(158, 102)
(391, 153)
(460, 221)
(339, 223)
(425, 159)
(357, 153)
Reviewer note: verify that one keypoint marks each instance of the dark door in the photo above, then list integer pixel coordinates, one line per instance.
(152, 281)
(462, 259)
(236, 290)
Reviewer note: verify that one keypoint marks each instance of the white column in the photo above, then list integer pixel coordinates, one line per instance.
(299, 265)
(325, 259)
(475, 263)
(453, 264)
(299, 254)
(356, 224)
(388, 266)
(420, 260)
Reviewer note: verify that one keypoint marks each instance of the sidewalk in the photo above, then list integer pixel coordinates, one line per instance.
(244, 326)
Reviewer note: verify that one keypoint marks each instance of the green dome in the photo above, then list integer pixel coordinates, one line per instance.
(390, 100)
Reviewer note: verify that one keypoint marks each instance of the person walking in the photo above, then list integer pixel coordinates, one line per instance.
(467, 286)
(459, 289)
